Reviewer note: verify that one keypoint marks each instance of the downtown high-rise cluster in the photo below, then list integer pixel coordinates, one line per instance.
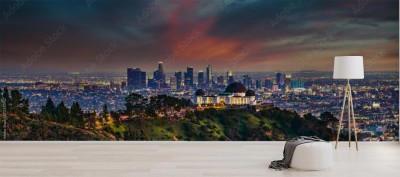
(180, 80)
(137, 79)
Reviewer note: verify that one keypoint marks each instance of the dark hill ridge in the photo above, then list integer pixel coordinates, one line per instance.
(32, 129)
(199, 125)
(229, 125)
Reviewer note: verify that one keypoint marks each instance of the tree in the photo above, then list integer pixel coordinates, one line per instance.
(327, 118)
(105, 113)
(115, 116)
(135, 105)
(164, 104)
(309, 117)
(25, 106)
(49, 110)
(77, 117)
(16, 100)
(92, 120)
(16, 104)
(6, 96)
(62, 113)
(1, 101)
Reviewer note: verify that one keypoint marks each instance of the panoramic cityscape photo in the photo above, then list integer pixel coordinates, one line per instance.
(191, 70)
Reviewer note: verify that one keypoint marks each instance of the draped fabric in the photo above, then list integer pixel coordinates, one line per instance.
(290, 147)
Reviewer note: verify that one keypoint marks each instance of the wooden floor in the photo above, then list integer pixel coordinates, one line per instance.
(191, 159)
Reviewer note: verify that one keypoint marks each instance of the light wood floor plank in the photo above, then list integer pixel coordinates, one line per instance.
(189, 159)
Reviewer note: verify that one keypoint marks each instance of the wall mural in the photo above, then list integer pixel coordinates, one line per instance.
(191, 70)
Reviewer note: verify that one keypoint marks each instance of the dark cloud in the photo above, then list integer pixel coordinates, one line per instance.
(280, 33)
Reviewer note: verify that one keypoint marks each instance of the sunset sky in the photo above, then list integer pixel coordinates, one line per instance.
(238, 35)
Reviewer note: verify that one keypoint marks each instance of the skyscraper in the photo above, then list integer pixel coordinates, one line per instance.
(136, 78)
(268, 84)
(200, 79)
(229, 77)
(160, 66)
(152, 83)
(258, 84)
(112, 84)
(209, 78)
(173, 83)
(220, 80)
(123, 84)
(275, 87)
(298, 84)
(247, 81)
(159, 75)
(189, 77)
(130, 77)
(288, 82)
(142, 79)
(279, 80)
(178, 76)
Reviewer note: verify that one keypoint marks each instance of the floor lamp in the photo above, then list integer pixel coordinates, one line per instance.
(348, 67)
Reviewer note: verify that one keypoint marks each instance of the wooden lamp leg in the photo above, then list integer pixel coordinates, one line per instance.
(348, 114)
(341, 117)
(354, 121)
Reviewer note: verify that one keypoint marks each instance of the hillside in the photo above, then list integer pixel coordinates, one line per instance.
(23, 128)
(161, 117)
(228, 125)
(200, 125)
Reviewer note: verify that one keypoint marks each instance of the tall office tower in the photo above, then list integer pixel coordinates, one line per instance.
(112, 84)
(173, 83)
(178, 76)
(186, 79)
(159, 75)
(258, 84)
(279, 80)
(142, 79)
(229, 77)
(130, 77)
(268, 84)
(298, 84)
(247, 81)
(220, 80)
(209, 76)
(200, 79)
(302, 84)
(123, 84)
(160, 66)
(136, 78)
(189, 77)
(275, 87)
(295, 84)
(151, 83)
(288, 82)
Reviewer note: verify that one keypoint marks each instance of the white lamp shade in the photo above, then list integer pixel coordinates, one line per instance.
(348, 67)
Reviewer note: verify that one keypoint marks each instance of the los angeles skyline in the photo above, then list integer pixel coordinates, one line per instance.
(232, 35)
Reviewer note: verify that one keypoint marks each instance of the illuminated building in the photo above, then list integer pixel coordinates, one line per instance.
(234, 94)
